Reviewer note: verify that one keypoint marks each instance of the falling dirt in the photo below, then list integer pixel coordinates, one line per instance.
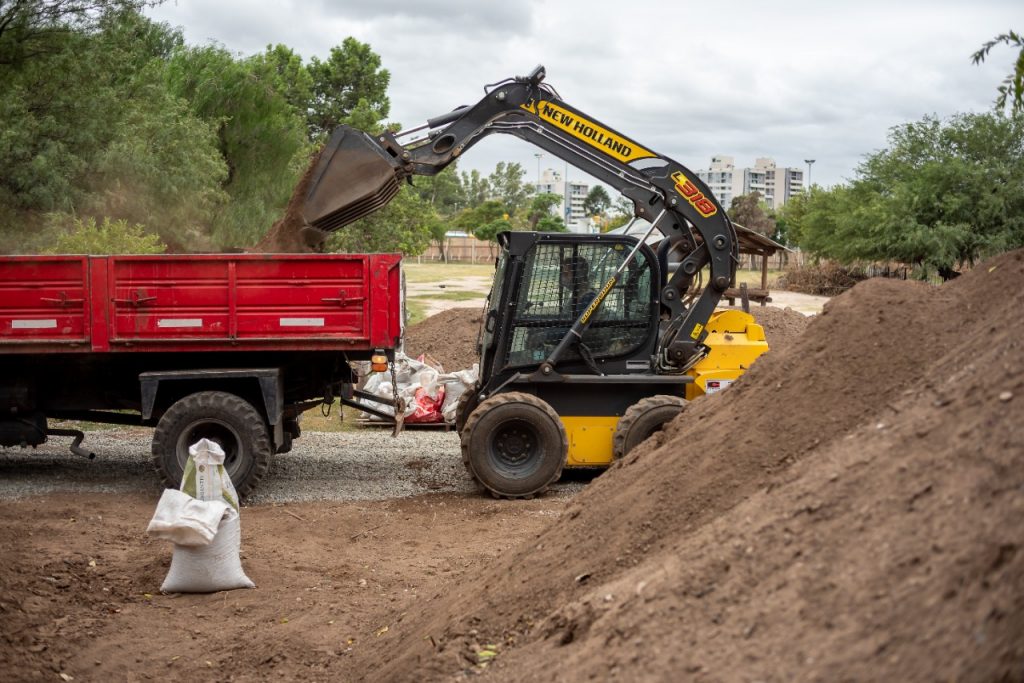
(851, 509)
(291, 233)
(782, 326)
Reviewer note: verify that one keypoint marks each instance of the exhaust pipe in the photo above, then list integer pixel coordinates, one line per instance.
(76, 445)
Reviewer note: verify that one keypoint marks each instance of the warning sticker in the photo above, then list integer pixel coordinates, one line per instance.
(713, 385)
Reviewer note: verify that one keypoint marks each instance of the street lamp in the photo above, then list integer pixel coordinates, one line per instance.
(809, 162)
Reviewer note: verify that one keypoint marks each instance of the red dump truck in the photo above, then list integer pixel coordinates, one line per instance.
(230, 347)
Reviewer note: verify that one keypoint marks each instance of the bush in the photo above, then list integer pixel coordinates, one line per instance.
(108, 237)
(825, 279)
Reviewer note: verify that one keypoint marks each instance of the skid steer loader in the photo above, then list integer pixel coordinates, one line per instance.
(590, 343)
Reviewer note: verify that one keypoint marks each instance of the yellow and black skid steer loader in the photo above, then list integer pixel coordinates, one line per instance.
(589, 343)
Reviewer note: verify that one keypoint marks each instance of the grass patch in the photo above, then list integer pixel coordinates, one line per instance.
(458, 295)
(435, 272)
(313, 420)
(753, 278)
(415, 311)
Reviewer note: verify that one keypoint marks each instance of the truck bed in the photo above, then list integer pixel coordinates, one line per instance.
(205, 302)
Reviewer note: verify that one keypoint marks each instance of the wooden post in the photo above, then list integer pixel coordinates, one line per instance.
(764, 277)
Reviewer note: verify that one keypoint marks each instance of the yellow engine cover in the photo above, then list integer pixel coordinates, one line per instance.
(735, 340)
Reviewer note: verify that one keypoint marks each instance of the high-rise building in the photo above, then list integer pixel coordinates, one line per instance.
(570, 207)
(776, 185)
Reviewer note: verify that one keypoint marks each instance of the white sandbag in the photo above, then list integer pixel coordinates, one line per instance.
(210, 568)
(205, 477)
(455, 385)
(183, 520)
(216, 566)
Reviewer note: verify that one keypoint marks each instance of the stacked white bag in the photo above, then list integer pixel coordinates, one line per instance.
(202, 521)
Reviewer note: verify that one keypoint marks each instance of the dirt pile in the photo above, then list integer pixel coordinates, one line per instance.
(448, 337)
(850, 509)
(290, 233)
(781, 325)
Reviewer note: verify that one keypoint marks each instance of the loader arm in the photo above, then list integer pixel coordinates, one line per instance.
(357, 174)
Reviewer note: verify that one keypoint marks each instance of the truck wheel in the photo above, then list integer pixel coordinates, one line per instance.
(218, 416)
(642, 419)
(514, 445)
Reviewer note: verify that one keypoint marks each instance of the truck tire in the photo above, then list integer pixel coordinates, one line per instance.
(642, 419)
(222, 417)
(514, 445)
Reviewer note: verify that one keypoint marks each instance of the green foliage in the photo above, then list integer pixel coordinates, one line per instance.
(86, 236)
(1011, 91)
(506, 185)
(473, 219)
(259, 134)
(540, 214)
(30, 29)
(107, 113)
(942, 194)
(489, 231)
(751, 212)
(443, 191)
(405, 225)
(90, 129)
(597, 202)
(349, 87)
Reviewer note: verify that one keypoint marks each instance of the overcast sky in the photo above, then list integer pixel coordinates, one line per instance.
(788, 80)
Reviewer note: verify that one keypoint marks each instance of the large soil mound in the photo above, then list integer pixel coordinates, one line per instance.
(851, 509)
(448, 337)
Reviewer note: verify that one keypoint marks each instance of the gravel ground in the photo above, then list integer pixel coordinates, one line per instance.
(323, 466)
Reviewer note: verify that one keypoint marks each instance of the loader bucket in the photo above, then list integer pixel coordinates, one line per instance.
(353, 178)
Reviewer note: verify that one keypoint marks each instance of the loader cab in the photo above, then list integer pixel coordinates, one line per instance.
(544, 281)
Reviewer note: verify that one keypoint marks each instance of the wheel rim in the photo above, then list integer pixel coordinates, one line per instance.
(514, 449)
(219, 432)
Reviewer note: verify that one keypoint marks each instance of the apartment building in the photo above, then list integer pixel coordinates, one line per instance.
(776, 185)
(573, 196)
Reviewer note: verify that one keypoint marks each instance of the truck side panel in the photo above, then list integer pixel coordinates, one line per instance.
(204, 302)
(44, 300)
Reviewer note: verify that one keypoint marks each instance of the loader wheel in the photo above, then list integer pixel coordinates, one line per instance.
(514, 445)
(218, 416)
(642, 419)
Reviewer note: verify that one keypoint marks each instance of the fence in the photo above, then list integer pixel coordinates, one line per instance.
(461, 250)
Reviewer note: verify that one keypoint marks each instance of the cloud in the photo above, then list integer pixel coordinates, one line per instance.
(789, 80)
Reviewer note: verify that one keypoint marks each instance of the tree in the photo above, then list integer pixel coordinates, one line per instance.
(90, 129)
(622, 213)
(35, 28)
(404, 225)
(506, 184)
(597, 201)
(476, 189)
(261, 136)
(349, 87)
(1012, 89)
(944, 193)
(541, 212)
(109, 237)
(749, 211)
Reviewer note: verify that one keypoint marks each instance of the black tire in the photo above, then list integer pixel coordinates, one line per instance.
(462, 408)
(225, 418)
(514, 445)
(642, 419)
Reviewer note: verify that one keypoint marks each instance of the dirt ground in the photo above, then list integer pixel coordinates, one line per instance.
(851, 509)
(79, 585)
